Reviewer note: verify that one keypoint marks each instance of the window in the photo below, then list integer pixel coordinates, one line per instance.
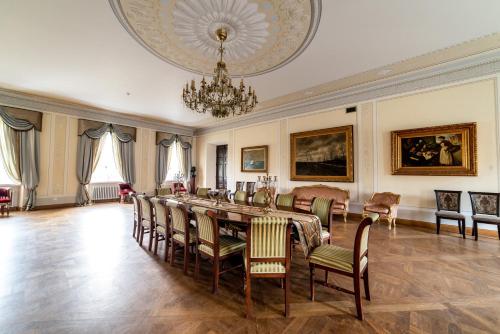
(174, 167)
(106, 170)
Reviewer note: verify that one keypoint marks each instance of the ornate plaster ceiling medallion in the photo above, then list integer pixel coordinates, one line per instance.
(263, 35)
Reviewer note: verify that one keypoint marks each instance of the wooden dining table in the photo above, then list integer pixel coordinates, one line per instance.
(307, 225)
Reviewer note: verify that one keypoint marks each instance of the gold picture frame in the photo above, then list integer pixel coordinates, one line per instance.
(448, 150)
(254, 159)
(322, 155)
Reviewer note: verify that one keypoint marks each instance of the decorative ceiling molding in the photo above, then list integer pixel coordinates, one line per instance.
(12, 98)
(264, 35)
(464, 69)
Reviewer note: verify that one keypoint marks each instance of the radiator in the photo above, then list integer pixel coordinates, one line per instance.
(104, 191)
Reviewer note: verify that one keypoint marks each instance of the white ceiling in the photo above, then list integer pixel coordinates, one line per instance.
(77, 50)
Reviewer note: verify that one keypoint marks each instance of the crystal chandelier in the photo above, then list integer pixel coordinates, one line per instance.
(220, 97)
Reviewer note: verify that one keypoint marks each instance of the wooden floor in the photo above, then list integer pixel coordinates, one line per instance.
(79, 270)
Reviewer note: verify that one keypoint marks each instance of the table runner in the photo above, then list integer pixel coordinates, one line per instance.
(308, 225)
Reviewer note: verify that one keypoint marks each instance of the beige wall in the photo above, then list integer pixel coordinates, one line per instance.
(475, 101)
(58, 149)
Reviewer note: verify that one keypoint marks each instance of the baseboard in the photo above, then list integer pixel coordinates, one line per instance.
(431, 226)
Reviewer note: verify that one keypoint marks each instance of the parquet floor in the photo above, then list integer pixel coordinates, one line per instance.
(79, 270)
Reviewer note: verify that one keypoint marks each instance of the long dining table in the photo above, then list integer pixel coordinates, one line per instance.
(308, 225)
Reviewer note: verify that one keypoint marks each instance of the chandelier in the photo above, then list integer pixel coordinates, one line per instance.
(220, 97)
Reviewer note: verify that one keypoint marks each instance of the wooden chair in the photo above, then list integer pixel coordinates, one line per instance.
(5, 200)
(239, 187)
(137, 216)
(448, 207)
(164, 191)
(268, 254)
(217, 248)
(285, 201)
(351, 263)
(183, 234)
(162, 225)
(202, 192)
(485, 210)
(322, 207)
(385, 205)
(241, 197)
(250, 188)
(259, 199)
(147, 220)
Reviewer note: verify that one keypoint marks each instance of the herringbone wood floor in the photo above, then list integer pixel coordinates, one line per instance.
(79, 270)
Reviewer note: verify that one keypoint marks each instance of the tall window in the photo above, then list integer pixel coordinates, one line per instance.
(174, 167)
(4, 177)
(106, 169)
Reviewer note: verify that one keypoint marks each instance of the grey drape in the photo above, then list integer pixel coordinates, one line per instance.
(185, 156)
(20, 150)
(162, 159)
(87, 158)
(124, 158)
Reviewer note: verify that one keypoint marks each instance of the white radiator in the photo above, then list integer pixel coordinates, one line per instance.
(103, 191)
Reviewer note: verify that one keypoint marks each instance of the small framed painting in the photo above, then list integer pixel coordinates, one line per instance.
(322, 155)
(439, 150)
(254, 159)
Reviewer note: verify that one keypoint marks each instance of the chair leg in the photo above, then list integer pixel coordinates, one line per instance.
(172, 253)
(215, 273)
(287, 295)
(498, 228)
(248, 295)
(166, 247)
(476, 236)
(366, 283)
(157, 236)
(357, 296)
(186, 259)
(463, 228)
(438, 225)
(135, 228)
(311, 281)
(141, 237)
(459, 226)
(345, 217)
(152, 234)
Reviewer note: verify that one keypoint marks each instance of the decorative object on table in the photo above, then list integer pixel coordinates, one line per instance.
(125, 189)
(485, 210)
(268, 254)
(305, 194)
(385, 205)
(5, 200)
(438, 150)
(448, 207)
(352, 263)
(219, 97)
(254, 159)
(219, 195)
(192, 180)
(266, 185)
(322, 155)
(179, 184)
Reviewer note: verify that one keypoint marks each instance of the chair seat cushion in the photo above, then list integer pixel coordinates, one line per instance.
(486, 219)
(180, 236)
(146, 223)
(336, 258)
(449, 214)
(325, 234)
(227, 245)
(267, 268)
(377, 208)
(4, 200)
(161, 229)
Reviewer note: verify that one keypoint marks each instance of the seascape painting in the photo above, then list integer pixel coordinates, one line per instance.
(254, 159)
(442, 150)
(322, 155)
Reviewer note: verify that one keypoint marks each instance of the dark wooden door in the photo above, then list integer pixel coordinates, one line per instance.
(221, 167)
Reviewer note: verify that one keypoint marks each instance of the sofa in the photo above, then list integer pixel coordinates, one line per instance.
(305, 194)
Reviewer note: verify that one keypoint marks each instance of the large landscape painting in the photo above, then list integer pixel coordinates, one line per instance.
(322, 155)
(441, 150)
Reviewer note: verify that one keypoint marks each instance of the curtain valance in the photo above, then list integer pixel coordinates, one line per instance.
(21, 119)
(161, 136)
(167, 139)
(95, 130)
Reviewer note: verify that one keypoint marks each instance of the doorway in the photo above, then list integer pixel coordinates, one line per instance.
(221, 167)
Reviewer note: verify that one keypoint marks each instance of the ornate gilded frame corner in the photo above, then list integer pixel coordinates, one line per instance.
(469, 151)
(266, 159)
(349, 177)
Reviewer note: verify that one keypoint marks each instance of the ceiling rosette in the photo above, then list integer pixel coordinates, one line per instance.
(263, 34)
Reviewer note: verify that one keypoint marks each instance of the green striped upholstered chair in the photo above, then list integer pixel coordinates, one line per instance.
(347, 262)
(214, 246)
(137, 216)
(259, 199)
(285, 201)
(241, 197)
(202, 192)
(268, 254)
(147, 222)
(322, 207)
(164, 191)
(162, 228)
(183, 234)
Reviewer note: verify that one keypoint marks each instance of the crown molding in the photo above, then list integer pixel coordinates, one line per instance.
(468, 68)
(12, 98)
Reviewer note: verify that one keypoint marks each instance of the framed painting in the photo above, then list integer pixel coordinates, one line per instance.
(322, 155)
(254, 159)
(439, 150)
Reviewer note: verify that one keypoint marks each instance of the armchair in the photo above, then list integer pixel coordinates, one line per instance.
(5, 200)
(179, 186)
(125, 190)
(385, 204)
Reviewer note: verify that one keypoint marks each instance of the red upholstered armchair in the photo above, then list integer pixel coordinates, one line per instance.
(179, 186)
(125, 190)
(5, 200)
